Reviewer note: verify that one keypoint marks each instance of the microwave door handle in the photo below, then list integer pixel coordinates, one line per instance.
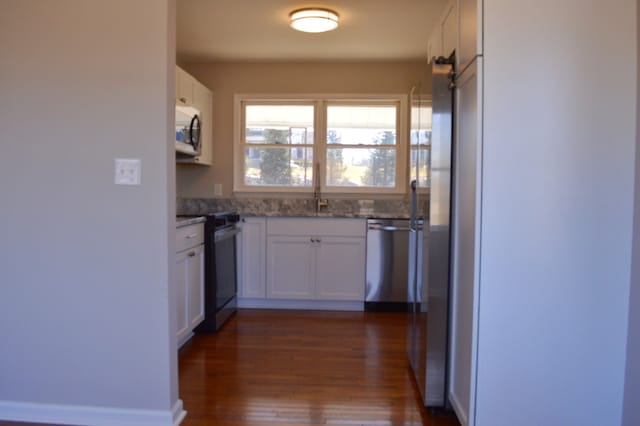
(192, 137)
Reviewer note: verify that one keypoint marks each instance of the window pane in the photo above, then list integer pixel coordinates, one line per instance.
(361, 125)
(361, 167)
(419, 164)
(279, 124)
(421, 116)
(278, 166)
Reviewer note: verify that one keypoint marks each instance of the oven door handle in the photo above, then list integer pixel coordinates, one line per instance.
(224, 234)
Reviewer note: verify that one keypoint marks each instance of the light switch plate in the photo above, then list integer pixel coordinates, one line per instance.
(127, 171)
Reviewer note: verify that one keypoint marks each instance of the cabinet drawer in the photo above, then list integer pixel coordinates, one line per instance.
(302, 226)
(189, 236)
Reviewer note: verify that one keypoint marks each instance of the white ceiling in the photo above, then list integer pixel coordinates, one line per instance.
(258, 30)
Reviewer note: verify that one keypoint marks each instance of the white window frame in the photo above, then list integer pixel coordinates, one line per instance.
(321, 101)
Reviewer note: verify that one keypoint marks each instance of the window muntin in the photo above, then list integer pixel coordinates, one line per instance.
(359, 144)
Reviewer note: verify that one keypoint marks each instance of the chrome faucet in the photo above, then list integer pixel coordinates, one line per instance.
(320, 203)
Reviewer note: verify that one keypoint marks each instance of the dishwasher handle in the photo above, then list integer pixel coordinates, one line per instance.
(375, 227)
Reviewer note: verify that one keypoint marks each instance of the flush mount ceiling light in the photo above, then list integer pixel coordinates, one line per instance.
(313, 20)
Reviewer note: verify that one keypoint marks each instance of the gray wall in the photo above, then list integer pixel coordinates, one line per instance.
(557, 202)
(85, 265)
(631, 414)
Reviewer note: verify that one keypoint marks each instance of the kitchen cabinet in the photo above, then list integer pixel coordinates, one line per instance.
(251, 258)
(443, 39)
(340, 268)
(469, 33)
(184, 88)
(316, 259)
(466, 238)
(291, 267)
(189, 282)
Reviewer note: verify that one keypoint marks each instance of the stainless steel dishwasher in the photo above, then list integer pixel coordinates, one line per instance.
(386, 287)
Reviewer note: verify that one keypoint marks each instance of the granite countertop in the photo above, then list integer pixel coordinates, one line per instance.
(272, 207)
(188, 220)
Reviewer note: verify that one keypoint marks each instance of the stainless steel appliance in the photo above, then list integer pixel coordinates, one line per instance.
(220, 272)
(188, 125)
(387, 265)
(430, 247)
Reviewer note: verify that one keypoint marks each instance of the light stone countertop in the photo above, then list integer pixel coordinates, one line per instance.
(182, 221)
(271, 207)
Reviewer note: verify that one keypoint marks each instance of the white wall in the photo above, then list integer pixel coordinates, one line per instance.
(631, 413)
(557, 201)
(85, 264)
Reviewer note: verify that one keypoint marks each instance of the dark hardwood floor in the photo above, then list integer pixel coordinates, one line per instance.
(302, 368)
(307, 368)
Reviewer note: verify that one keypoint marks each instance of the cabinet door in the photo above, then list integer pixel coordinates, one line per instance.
(181, 291)
(290, 267)
(184, 87)
(469, 33)
(195, 285)
(465, 239)
(449, 30)
(252, 258)
(340, 266)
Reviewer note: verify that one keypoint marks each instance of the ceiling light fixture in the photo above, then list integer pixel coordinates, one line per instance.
(313, 20)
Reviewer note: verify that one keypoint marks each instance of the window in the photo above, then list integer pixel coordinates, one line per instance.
(354, 145)
(420, 143)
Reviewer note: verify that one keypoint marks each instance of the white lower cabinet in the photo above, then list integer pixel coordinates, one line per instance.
(316, 259)
(251, 258)
(189, 283)
(290, 268)
(340, 267)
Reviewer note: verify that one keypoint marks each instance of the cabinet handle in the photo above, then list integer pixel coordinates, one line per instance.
(183, 100)
(318, 240)
(190, 236)
(191, 253)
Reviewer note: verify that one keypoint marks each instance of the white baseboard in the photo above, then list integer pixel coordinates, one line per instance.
(89, 416)
(463, 417)
(321, 305)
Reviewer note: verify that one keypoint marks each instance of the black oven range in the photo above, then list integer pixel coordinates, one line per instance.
(220, 271)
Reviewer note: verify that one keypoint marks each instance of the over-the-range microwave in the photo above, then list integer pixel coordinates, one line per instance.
(188, 127)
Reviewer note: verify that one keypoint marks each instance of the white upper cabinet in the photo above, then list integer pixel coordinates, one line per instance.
(443, 38)
(469, 33)
(184, 87)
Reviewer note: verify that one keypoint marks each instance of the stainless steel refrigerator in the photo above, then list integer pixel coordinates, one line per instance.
(429, 246)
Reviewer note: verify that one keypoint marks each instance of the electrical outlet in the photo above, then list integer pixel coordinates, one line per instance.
(217, 189)
(127, 171)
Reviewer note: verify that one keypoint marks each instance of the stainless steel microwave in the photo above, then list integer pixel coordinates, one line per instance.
(188, 129)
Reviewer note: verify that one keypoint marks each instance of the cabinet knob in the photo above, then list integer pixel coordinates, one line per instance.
(183, 100)
(191, 253)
